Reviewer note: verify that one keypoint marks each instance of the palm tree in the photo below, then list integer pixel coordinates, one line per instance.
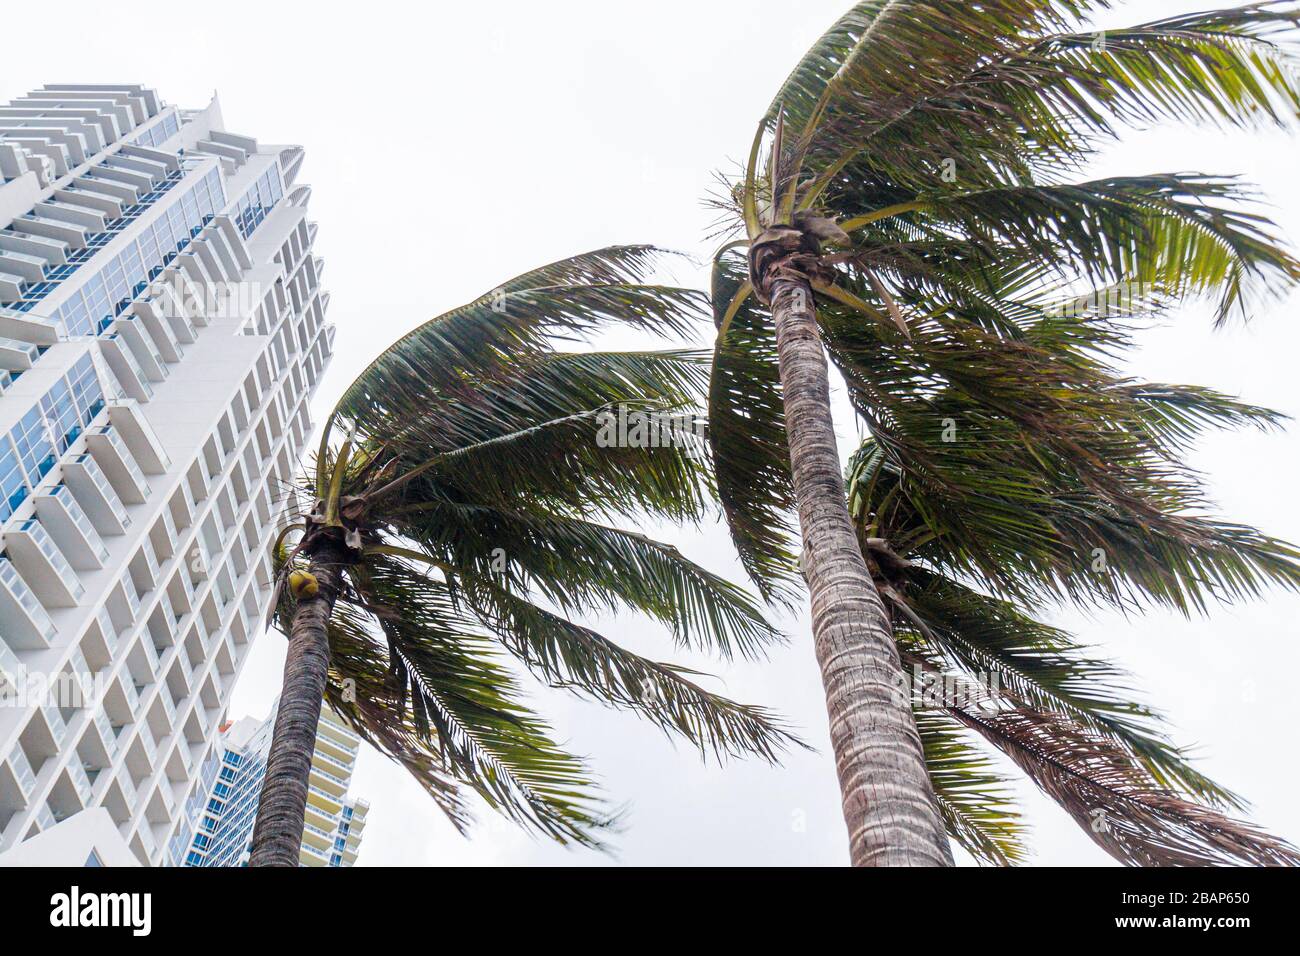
(462, 508)
(911, 181)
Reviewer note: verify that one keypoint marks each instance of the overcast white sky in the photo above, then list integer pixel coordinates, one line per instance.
(451, 146)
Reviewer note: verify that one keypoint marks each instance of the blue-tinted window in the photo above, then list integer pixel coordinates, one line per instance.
(32, 439)
(12, 487)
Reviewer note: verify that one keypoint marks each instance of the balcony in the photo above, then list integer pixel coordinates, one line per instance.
(34, 553)
(109, 206)
(108, 631)
(316, 836)
(162, 808)
(141, 440)
(358, 819)
(327, 780)
(127, 786)
(182, 674)
(160, 329)
(117, 462)
(338, 734)
(71, 528)
(165, 619)
(96, 495)
(107, 732)
(144, 569)
(21, 778)
(176, 298)
(320, 817)
(168, 710)
(141, 182)
(65, 232)
(76, 215)
(53, 251)
(16, 356)
(148, 844)
(25, 622)
(54, 725)
(309, 855)
(22, 267)
(129, 693)
(130, 330)
(80, 781)
(121, 359)
(147, 742)
(120, 192)
(13, 675)
(151, 167)
(150, 655)
(183, 506)
(131, 593)
(184, 762)
(328, 804)
(341, 754)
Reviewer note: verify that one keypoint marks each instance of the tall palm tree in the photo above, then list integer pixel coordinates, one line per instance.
(912, 178)
(462, 508)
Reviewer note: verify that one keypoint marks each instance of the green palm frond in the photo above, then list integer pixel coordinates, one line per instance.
(447, 677)
(975, 800)
(1041, 667)
(520, 319)
(578, 659)
(1117, 804)
(1178, 233)
(1069, 720)
(1015, 90)
(583, 566)
(1025, 465)
(476, 479)
(747, 434)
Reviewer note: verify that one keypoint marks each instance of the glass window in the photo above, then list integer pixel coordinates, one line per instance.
(12, 488)
(35, 448)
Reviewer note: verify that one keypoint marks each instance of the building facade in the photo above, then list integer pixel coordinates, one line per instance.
(162, 329)
(334, 821)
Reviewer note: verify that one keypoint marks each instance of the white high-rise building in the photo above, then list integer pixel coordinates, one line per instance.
(334, 821)
(162, 328)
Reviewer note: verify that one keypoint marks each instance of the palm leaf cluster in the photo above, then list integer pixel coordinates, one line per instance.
(1071, 722)
(481, 515)
(921, 168)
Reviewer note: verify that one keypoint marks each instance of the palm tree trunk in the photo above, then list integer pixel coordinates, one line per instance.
(889, 805)
(282, 807)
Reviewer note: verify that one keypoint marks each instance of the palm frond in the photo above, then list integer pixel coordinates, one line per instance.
(518, 320)
(584, 566)
(437, 700)
(1040, 667)
(1177, 233)
(747, 434)
(578, 659)
(975, 800)
(1118, 805)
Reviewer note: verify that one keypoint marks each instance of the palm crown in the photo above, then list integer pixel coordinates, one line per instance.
(462, 495)
(919, 170)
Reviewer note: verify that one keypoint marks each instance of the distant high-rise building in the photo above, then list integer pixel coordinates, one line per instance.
(162, 328)
(334, 821)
